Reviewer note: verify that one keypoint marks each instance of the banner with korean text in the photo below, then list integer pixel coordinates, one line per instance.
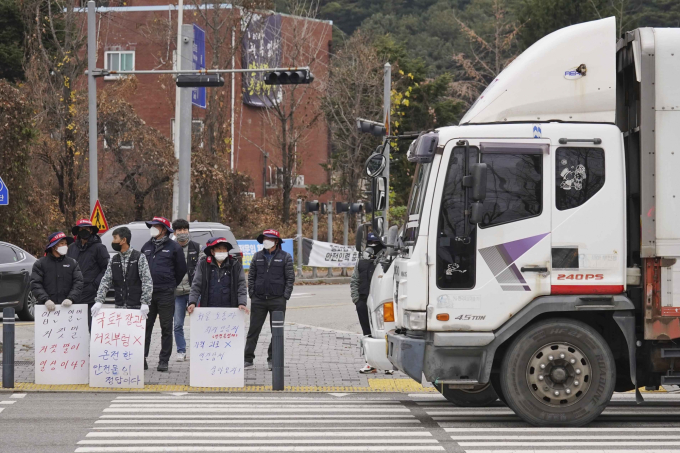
(217, 344)
(61, 345)
(326, 254)
(117, 349)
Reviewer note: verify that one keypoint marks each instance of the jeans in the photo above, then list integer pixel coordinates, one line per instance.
(162, 305)
(259, 308)
(362, 311)
(180, 314)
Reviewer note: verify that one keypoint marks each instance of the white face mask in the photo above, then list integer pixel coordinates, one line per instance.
(268, 244)
(62, 250)
(221, 256)
(153, 231)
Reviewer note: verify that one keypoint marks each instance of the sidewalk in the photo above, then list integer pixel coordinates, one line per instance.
(316, 359)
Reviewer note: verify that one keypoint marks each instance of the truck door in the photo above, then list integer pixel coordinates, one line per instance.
(479, 279)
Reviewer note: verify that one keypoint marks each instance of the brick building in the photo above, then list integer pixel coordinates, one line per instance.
(141, 34)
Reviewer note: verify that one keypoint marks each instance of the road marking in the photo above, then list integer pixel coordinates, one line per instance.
(2, 409)
(551, 430)
(565, 444)
(200, 398)
(571, 450)
(339, 395)
(245, 409)
(18, 395)
(259, 441)
(242, 428)
(259, 422)
(391, 408)
(352, 448)
(7, 402)
(594, 436)
(265, 434)
(246, 416)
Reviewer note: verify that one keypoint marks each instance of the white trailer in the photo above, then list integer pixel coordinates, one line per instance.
(539, 252)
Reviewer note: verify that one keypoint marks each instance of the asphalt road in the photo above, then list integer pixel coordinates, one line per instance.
(327, 306)
(319, 422)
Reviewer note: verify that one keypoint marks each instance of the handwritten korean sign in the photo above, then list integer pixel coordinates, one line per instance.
(217, 344)
(61, 345)
(117, 349)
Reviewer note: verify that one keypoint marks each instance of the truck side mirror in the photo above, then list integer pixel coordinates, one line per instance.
(478, 173)
(375, 164)
(378, 225)
(392, 234)
(361, 238)
(380, 193)
(476, 212)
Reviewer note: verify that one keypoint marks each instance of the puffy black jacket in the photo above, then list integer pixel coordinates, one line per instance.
(366, 269)
(166, 263)
(92, 258)
(56, 279)
(192, 259)
(209, 280)
(269, 279)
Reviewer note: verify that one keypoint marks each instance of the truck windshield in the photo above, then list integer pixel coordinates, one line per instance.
(416, 202)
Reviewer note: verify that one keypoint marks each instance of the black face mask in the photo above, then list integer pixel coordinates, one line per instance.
(84, 234)
(116, 246)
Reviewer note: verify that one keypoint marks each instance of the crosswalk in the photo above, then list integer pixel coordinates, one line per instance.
(201, 423)
(623, 426)
(8, 400)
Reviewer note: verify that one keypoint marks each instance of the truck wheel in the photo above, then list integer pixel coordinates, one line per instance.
(559, 372)
(484, 396)
(495, 380)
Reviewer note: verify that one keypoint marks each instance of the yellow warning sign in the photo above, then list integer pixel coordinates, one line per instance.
(97, 218)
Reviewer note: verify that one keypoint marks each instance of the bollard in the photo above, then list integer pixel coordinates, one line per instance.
(277, 350)
(345, 236)
(315, 230)
(330, 233)
(299, 237)
(8, 348)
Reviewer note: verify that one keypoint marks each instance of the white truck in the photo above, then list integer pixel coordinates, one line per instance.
(538, 258)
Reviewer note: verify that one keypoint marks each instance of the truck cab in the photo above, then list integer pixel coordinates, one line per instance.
(538, 255)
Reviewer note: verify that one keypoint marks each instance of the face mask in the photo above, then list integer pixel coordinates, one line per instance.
(153, 231)
(62, 250)
(116, 246)
(183, 237)
(268, 244)
(84, 234)
(221, 256)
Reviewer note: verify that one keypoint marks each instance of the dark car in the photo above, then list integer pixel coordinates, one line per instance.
(15, 280)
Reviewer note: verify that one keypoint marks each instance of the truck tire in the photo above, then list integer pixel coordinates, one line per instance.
(558, 372)
(482, 397)
(495, 380)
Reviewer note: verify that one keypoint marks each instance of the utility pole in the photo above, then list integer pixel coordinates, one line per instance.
(329, 208)
(299, 237)
(184, 138)
(387, 103)
(178, 104)
(92, 101)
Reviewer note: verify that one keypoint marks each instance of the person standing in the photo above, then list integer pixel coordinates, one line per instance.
(93, 259)
(168, 267)
(128, 273)
(192, 253)
(220, 280)
(270, 283)
(55, 278)
(360, 286)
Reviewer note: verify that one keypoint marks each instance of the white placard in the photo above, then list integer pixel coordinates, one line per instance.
(217, 345)
(117, 349)
(61, 345)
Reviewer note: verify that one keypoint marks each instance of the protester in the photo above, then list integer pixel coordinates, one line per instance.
(93, 259)
(192, 252)
(129, 274)
(270, 283)
(56, 279)
(168, 267)
(360, 286)
(220, 280)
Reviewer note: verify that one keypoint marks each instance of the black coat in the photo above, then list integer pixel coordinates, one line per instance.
(166, 263)
(92, 258)
(56, 279)
(270, 279)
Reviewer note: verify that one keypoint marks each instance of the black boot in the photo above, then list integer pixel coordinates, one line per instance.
(162, 366)
(146, 365)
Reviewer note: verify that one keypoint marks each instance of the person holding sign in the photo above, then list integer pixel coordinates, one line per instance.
(56, 279)
(220, 280)
(168, 267)
(270, 283)
(93, 259)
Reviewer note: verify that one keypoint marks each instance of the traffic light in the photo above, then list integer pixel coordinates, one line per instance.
(341, 207)
(371, 127)
(301, 76)
(356, 207)
(312, 206)
(199, 80)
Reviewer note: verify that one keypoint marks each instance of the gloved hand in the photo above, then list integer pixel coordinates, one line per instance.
(95, 309)
(50, 305)
(144, 311)
(67, 303)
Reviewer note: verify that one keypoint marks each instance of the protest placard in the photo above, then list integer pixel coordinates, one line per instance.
(217, 344)
(117, 349)
(61, 345)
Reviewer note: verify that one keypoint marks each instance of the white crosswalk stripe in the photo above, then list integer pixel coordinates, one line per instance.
(6, 403)
(623, 427)
(191, 423)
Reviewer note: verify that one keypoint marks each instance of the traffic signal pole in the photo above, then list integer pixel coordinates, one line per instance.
(387, 103)
(92, 101)
(178, 109)
(184, 137)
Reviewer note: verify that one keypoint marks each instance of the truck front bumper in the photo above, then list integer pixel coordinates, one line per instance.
(407, 354)
(374, 350)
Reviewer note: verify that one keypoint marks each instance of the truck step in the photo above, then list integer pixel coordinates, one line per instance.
(672, 378)
(669, 353)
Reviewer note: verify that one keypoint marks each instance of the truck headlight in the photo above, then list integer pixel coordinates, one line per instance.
(414, 320)
(379, 323)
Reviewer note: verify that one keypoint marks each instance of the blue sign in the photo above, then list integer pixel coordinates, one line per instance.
(251, 247)
(198, 58)
(4, 194)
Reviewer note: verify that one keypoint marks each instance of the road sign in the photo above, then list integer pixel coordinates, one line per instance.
(97, 218)
(198, 58)
(4, 194)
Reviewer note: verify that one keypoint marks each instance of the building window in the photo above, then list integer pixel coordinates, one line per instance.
(123, 144)
(119, 61)
(579, 174)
